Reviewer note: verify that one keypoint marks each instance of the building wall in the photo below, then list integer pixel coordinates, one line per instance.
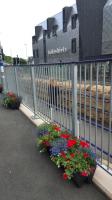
(90, 14)
(107, 29)
(58, 48)
(93, 34)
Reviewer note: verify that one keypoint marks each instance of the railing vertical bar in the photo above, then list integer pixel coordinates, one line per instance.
(62, 95)
(57, 85)
(69, 97)
(74, 100)
(110, 120)
(40, 86)
(80, 80)
(4, 75)
(52, 91)
(90, 103)
(34, 90)
(42, 104)
(85, 101)
(103, 104)
(16, 79)
(96, 114)
(47, 93)
(37, 88)
(40, 89)
(44, 95)
(66, 103)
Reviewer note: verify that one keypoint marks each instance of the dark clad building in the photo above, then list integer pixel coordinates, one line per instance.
(80, 32)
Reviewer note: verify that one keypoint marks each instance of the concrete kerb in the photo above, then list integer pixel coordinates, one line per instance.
(101, 178)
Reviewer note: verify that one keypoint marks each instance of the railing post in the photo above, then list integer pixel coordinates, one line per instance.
(34, 92)
(3, 78)
(17, 85)
(75, 123)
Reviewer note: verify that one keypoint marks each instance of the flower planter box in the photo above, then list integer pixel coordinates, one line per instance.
(79, 180)
(14, 106)
(72, 155)
(11, 101)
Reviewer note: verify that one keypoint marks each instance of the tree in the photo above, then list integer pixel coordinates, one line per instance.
(8, 59)
(22, 61)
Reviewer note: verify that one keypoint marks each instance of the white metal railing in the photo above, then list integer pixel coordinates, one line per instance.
(78, 96)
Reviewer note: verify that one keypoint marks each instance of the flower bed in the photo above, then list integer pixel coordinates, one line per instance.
(11, 100)
(66, 151)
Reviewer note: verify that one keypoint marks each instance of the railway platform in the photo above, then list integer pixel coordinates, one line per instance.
(25, 173)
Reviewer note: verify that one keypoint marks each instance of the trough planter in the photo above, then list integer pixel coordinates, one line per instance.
(79, 180)
(14, 106)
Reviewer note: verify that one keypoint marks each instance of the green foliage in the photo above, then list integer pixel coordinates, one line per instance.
(8, 59)
(22, 61)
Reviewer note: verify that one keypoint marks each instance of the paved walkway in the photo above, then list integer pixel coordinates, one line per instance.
(25, 174)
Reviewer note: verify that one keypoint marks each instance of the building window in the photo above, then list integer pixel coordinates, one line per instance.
(34, 53)
(37, 53)
(64, 27)
(34, 39)
(73, 45)
(64, 21)
(73, 21)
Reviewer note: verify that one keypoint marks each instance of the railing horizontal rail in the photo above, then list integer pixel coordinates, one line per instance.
(66, 63)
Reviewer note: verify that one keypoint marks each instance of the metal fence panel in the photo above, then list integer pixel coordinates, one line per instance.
(53, 86)
(24, 79)
(10, 80)
(68, 94)
(94, 108)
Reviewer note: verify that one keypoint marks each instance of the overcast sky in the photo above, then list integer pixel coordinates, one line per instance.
(18, 19)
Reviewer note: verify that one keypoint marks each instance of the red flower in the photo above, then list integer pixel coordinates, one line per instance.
(11, 94)
(56, 128)
(86, 155)
(65, 176)
(65, 135)
(62, 154)
(46, 143)
(71, 143)
(84, 144)
(84, 173)
(72, 155)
